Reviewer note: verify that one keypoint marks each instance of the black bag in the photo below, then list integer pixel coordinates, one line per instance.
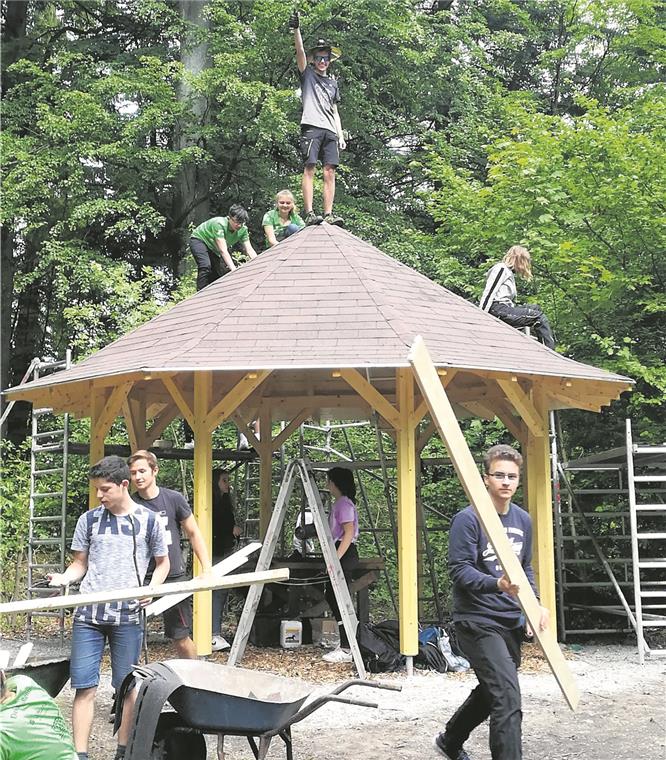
(378, 648)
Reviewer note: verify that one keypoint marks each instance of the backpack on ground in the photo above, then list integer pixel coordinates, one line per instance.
(378, 648)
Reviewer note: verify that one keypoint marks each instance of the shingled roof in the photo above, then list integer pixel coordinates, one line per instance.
(323, 299)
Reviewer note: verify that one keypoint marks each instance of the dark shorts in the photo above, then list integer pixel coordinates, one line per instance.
(178, 619)
(318, 143)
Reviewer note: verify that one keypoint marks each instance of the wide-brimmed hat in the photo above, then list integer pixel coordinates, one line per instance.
(324, 45)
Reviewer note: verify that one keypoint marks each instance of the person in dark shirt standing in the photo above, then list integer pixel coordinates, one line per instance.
(486, 614)
(175, 514)
(321, 129)
(225, 535)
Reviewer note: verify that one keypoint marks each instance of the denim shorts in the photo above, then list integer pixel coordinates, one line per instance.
(88, 641)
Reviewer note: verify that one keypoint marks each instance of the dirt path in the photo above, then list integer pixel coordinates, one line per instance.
(622, 715)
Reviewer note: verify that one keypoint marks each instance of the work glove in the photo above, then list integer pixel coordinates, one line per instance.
(294, 21)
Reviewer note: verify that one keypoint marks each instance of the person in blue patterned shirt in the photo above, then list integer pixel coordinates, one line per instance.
(112, 547)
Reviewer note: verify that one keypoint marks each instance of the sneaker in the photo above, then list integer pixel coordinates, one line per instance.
(445, 749)
(219, 644)
(189, 445)
(313, 218)
(338, 221)
(338, 655)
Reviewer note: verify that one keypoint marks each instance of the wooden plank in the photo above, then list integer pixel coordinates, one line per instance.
(205, 583)
(265, 451)
(235, 397)
(371, 395)
(179, 398)
(442, 414)
(219, 569)
(22, 655)
(522, 403)
(134, 412)
(591, 405)
(408, 589)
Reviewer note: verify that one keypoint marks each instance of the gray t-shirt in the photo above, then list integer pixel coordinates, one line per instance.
(108, 541)
(319, 95)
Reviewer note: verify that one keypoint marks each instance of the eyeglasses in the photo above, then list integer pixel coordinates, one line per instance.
(322, 58)
(511, 476)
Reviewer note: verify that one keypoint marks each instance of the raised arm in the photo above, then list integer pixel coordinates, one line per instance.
(301, 58)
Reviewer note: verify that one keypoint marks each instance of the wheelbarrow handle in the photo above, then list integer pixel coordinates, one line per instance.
(371, 684)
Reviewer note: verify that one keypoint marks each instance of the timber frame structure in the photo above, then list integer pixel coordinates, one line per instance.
(319, 327)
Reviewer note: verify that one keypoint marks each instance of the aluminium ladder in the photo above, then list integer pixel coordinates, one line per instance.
(648, 542)
(299, 469)
(48, 496)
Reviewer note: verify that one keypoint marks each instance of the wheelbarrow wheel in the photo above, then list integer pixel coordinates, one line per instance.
(174, 742)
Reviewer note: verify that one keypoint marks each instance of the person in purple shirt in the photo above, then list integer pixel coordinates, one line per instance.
(487, 616)
(343, 522)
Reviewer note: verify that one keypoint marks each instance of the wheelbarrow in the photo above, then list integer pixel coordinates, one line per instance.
(221, 700)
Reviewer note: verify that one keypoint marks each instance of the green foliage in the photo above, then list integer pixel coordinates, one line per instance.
(14, 498)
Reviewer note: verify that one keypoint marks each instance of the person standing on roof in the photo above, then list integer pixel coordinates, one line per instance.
(212, 241)
(321, 130)
(499, 295)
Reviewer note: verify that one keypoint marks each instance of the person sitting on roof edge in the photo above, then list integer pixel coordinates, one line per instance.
(500, 292)
(212, 241)
(282, 221)
(321, 130)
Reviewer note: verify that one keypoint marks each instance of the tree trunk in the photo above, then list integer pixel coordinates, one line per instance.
(192, 188)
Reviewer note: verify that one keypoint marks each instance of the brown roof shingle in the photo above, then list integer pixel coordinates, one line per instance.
(323, 298)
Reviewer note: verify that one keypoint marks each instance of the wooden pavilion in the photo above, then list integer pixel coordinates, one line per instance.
(321, 326)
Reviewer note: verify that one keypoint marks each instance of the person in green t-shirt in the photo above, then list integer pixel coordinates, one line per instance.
(212, 241)
(31, 725)
(282, 221)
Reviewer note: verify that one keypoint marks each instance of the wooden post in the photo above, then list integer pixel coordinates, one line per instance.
(203, 509)
(96, 452)
(134, 411)
(540, 504)
(103, 411)
(407, 545)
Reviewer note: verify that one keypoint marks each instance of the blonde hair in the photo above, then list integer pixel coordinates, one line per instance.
(519, 259)
(143, 454)
(286, 194)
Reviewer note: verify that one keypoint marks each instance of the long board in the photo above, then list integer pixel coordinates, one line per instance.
(205, 583)
(468, 474)
(220, 569)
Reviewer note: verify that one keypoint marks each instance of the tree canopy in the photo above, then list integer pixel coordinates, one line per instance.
(473, 125)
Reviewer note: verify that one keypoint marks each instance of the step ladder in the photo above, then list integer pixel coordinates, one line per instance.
(47, 538)
(648, 542)
(299, 470)
(251, 500)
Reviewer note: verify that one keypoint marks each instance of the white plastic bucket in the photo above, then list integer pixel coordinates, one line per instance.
(291, 634)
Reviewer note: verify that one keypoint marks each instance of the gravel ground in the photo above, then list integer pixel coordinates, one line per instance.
(622, 714)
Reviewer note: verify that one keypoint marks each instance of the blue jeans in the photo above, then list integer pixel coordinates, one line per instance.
(219, 600)
(88, 641)
(287, 231)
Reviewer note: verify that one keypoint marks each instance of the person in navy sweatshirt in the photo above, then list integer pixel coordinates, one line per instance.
(486, 614)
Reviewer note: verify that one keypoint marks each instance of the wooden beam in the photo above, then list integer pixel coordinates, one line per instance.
(372, 396)
(298, 420)
(246, 430)
(513, 424)
(577, 402)
(408, 592)
(425, 436)
(198, 585)
(161, 422)
(442, 414)
(134, 411)
(179, 398)
(235, 397)
(523, 405)
(203, 508)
